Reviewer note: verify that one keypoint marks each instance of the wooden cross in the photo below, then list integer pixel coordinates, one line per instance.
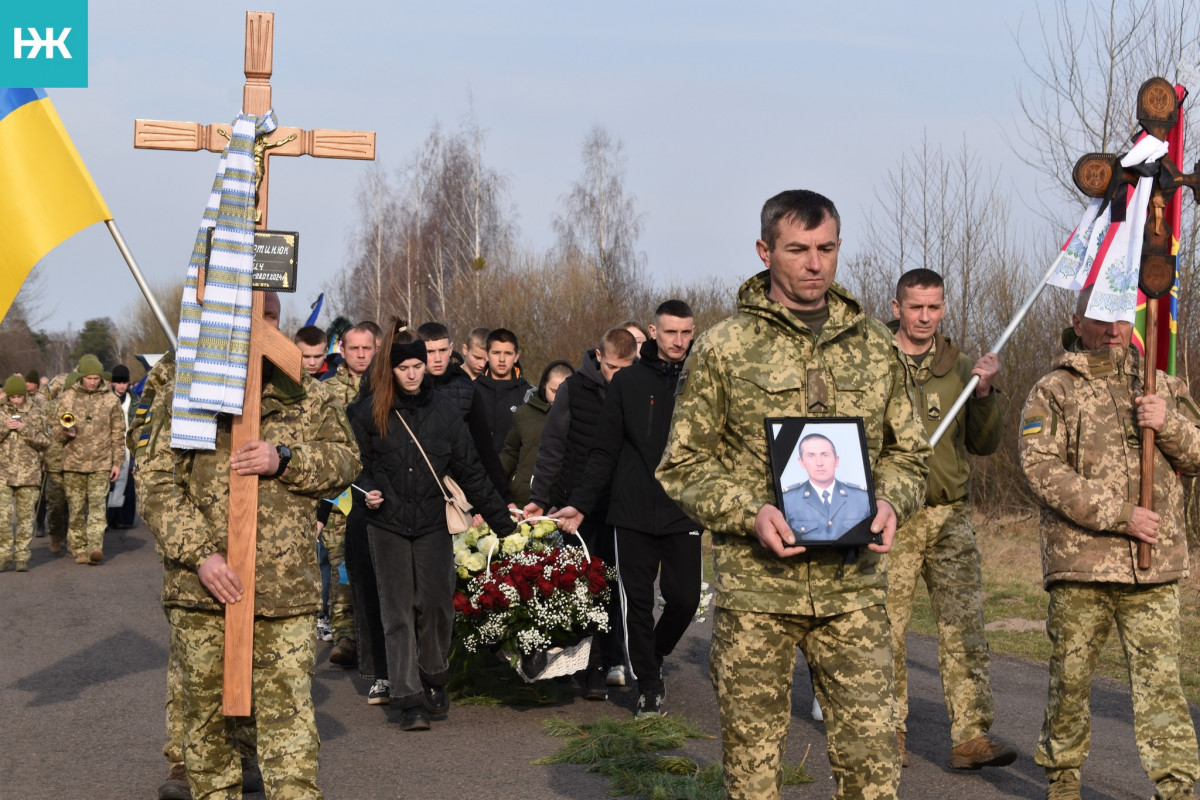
(265, 340)
(1100, 175)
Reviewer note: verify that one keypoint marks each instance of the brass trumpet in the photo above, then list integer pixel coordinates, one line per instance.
(68, 420)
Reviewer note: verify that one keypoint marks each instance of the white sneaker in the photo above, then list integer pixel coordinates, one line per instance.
(817, 713)
(380, 693)
(324, 630)
(616, 675)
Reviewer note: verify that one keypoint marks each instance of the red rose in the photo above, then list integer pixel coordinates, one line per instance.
(545, 587)
(567, 581)
(461, 604)
(524, 591)
(596, 583)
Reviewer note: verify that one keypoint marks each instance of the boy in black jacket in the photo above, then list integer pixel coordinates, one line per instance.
(652, 531)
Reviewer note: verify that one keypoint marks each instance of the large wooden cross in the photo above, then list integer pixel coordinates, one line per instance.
(265, 340)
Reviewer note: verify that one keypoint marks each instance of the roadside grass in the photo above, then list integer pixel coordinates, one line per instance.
(1014, 603)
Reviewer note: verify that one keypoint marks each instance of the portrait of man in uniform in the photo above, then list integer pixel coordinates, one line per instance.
(824, 507)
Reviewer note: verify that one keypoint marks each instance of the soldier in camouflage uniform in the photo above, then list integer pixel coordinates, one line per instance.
(55, 495)
(186, 504)
(24, 437)
(358, 348)
(93, 451)
(1080, 451)
(798, 346)
(938, 543)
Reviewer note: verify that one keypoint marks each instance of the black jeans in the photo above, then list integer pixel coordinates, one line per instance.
(416, 596)
(607, 648)
(639, 559)
(368, 624)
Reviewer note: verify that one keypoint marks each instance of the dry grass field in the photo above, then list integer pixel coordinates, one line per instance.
(1014, 603)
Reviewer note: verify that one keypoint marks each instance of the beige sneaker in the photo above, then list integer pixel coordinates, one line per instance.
(982, 751)
(1063, 789)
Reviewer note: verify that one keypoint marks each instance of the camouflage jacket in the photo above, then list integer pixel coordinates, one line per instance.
(1081, 454)
(47, 400)
(184, 494)
(342, 385)
(99, 442)
(20, 451)
(940, 378)
(764, 362)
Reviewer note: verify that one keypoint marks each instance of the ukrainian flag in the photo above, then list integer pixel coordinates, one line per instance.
(46, 193)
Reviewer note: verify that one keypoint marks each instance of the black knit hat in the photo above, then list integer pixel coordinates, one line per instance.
(33, 377)
(120, 374)
(403, 352)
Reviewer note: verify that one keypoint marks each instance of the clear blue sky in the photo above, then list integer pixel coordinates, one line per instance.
(719, 105)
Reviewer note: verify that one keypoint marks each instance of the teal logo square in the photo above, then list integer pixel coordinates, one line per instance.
(44, 43)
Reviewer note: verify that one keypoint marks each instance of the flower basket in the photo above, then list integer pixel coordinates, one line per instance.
(539, 606)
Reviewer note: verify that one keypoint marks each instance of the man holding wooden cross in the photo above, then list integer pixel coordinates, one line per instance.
(1080, 453)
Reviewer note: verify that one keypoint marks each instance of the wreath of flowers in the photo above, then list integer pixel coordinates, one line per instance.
(541, 596)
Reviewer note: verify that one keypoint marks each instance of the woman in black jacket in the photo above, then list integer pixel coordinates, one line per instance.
(406, 518)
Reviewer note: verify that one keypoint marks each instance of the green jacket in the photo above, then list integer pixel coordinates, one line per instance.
(21, 451)
(939, 379)
(1081, 454)
(184, 494)
(99, 442)
(763, 362)
(519, 456)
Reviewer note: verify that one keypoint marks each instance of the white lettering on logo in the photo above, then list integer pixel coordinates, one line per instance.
(37, 43)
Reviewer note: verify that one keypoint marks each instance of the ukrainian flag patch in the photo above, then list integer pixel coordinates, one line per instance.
(1033, 426)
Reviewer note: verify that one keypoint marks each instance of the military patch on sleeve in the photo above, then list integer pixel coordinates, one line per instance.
(1032, 426)
(141, 411)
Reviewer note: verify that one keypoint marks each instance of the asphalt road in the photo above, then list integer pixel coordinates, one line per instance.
(82, 666)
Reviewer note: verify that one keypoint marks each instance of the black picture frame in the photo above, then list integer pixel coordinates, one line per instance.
(846, 521)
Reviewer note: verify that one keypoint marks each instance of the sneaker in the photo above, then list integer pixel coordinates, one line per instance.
(595, 683)
(414, 719)
(817, 713)
(324, 630)
(649, 704)
(437, 701)
(616, 675)
(983, 751)
(344, 653)
(175, 787)
(380, 693)
(902, 742)
(1066, 788)
(252, 780)
(95, 555)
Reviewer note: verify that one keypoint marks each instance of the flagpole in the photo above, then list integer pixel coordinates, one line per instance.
(141, 281)
(997, 346)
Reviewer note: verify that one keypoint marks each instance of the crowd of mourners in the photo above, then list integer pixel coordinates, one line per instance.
(648, 441)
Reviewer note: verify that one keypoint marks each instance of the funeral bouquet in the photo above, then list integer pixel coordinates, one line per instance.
(537, 594)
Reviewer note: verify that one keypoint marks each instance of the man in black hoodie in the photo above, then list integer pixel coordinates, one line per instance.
(652, 532)
(449, 376)
(502, 385)
(562, 456)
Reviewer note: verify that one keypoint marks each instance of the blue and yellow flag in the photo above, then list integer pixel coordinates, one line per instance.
(343, 502)
(46, 193)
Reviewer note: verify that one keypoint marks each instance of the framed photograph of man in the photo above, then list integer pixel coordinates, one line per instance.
(823, 479)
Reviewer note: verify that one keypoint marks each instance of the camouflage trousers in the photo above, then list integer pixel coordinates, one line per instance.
(753, 660)
(1079, 620)
(246, 733)
(288, 743)
(22, 500)
(56, 507)
(341, 601)
(87, 505)
(937, 545)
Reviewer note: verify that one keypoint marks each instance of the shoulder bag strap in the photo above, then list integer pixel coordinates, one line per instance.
(436, 478)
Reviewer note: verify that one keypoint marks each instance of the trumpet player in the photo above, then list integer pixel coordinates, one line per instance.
(92, 431)
(22, 438)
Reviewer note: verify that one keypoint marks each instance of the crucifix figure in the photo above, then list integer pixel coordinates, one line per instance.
(265, 341)
(1100, 175)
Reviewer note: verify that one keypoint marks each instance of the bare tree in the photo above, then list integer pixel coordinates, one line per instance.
(600, 221)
